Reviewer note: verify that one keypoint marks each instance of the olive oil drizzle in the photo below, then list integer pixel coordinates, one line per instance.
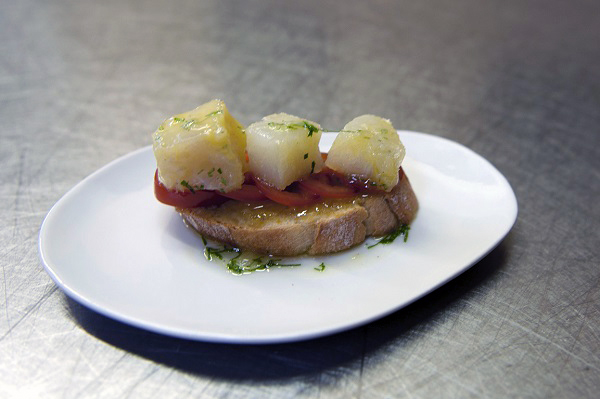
(256, 264)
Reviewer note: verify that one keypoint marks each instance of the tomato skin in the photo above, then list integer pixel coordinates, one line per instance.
(325, 184)
(321, 186)
(182, 199)
(248, 193)
(286, 198)
(357, 183)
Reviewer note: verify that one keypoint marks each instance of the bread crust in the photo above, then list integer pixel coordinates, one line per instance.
(329, 227)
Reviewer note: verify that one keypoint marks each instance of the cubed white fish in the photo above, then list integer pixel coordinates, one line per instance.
(368, 147)
(283, 148)
(202, 149)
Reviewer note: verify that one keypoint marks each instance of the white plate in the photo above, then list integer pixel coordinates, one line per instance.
(112, 247)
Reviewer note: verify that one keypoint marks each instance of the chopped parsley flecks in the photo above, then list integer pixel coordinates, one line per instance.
(312, 167)
(243, 266)
(187, 185)
(210, 172)
(388, 239)
(210, 252)
(237, 263)
(306, 155)
(293, 126)
(188, 124)
(321, 267)
(311, 128)
(214, 113)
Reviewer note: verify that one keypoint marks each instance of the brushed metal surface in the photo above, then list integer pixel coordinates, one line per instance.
(84, 82)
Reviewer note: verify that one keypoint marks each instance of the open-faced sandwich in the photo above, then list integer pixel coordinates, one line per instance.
(269, 189)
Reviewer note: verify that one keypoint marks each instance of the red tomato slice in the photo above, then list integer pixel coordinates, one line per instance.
(321, 187)
(182, 199)
(286, 198)
(248, 193)
(357, 183)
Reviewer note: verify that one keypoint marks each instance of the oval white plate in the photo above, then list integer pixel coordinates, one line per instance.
(112, 247)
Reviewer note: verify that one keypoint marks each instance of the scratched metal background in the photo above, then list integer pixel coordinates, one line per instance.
(84, 82)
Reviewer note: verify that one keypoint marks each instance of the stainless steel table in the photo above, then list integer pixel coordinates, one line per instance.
(83, 82)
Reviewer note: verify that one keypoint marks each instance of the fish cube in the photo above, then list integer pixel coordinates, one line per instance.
(203, 149)
(368, 148)
(283, 148)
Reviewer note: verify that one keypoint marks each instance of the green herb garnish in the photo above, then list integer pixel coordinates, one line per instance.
(237, 266)
(210, 252)
(187, 185)
(214, 113)
(311, 128)
(293, 126)
(188, 125)
(312, 167)
(321, 267)
(306, 155)
(402, 230)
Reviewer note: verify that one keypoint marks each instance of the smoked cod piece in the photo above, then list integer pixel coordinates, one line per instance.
(202, 149)
(368, 147)
(283, 148)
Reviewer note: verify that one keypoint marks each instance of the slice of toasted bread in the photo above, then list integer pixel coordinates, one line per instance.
(326, 227)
